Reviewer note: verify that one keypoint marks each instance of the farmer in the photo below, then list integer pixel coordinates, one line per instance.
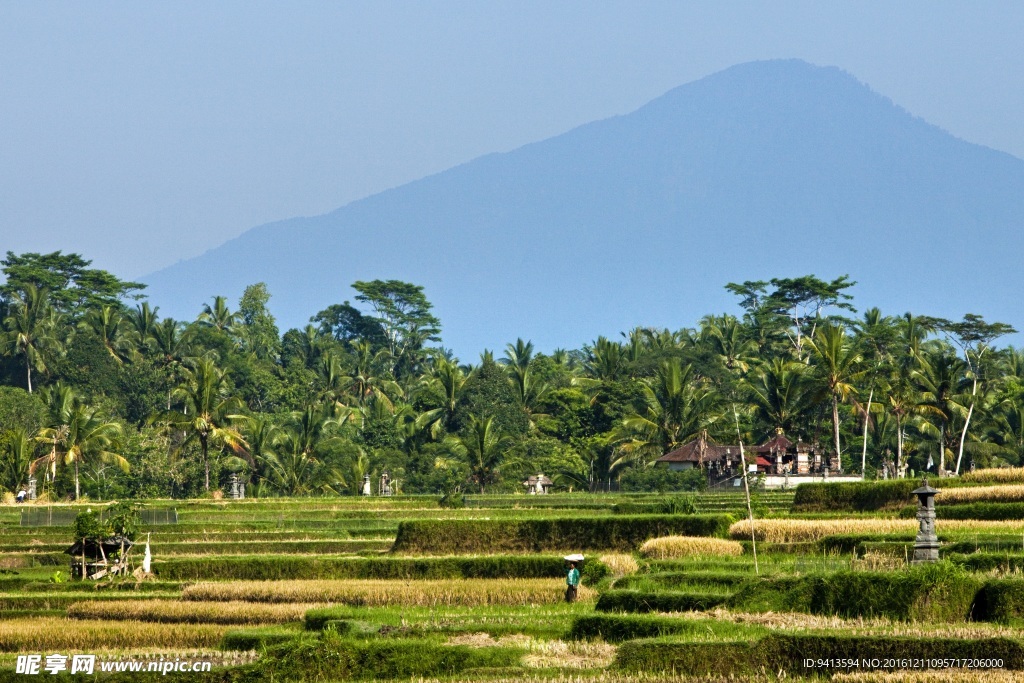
(21, 496)
(572, 581)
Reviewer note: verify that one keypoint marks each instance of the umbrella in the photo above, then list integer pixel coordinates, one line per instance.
(574, 558)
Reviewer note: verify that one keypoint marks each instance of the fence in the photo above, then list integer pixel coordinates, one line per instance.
(48, 516)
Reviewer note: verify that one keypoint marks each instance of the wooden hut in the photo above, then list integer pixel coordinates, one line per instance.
(95, 558)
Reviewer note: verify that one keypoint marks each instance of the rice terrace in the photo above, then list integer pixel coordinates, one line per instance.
(793, 495)
(401, 588)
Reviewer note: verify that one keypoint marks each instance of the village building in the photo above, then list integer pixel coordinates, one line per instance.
(538, 484)
(780, 462)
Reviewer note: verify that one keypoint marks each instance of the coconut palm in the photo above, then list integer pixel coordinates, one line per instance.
(527, 390)
(878, 336)
(172, 343)
(729, 340)
(307, 428)
(32, 328)
(143, 323)
(209, 412)
(1007, 428)
(79, 434)
(441, 392)
(219, 315)
(17, 451)
(779, 391)
(837, 367)
(368, 379)
(906, 405)
(332, 378)
(937, 379)
(483, 445)
(293, 466)
(678, 408)
(109, 326)
(309, 345)
(605, 360)
(381, 417)
(604, 462)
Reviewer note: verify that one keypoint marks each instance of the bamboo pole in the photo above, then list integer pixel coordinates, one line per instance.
(746, 490)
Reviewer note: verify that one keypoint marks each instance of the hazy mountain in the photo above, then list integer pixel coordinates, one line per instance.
(763, 170)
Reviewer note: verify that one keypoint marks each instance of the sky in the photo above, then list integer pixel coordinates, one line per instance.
(140, 134)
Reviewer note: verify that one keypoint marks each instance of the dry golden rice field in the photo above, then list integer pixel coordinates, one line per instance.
(669, 547)
(390, 592)
(190, 612)
(1002, 475)
(801, 530)
(974, 494)
(35, 634)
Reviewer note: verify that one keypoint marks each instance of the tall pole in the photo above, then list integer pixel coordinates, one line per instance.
(746, 489)
(864, 453)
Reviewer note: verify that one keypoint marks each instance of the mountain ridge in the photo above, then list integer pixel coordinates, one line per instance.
(765, 169)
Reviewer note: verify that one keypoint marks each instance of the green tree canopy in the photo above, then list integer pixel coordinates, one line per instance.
(72, 285)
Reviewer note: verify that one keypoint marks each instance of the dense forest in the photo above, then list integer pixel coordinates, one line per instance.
(101, 397)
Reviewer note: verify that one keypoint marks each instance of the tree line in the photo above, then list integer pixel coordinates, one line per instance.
(101, 396)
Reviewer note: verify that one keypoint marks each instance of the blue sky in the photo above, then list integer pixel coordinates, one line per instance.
(142, 133)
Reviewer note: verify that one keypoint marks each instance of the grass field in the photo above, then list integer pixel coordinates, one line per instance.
(310, 589)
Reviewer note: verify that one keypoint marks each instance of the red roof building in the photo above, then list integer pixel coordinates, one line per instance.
(777, 455)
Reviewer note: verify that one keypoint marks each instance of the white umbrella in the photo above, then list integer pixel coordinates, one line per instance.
(574, 558)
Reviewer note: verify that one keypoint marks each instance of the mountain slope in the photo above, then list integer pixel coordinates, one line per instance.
(766, 169)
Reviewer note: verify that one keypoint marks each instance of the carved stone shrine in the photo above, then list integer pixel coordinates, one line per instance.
(926, 545)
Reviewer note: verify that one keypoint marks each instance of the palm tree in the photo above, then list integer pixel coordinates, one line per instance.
(307, 428)
(209, 411)
(442, 390)
(380, 416)
(937, 380)
(143, 322)
(263, 436)
(605, 461)
(483, 445)
(294, 473)
(172, 341)
(729, 341)
(906, 405)
(107, 324)
(878, 335)
(779, 391)
(78, 433)
(333, 379)
(357, 467)
(678, 409)
(172, 344)
(293, 466)
(219, 315)
(605, 360)
(529, 392)
(367, 379)
(17, 451)
(1007, 429)
(838, 365)
(309, 345)
(32, 329)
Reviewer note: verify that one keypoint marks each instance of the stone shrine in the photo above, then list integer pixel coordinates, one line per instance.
(926, 545)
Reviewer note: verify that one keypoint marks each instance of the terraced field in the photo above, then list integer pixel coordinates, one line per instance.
(336, 589)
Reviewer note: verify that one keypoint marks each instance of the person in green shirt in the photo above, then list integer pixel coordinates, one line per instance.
(572, 581)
